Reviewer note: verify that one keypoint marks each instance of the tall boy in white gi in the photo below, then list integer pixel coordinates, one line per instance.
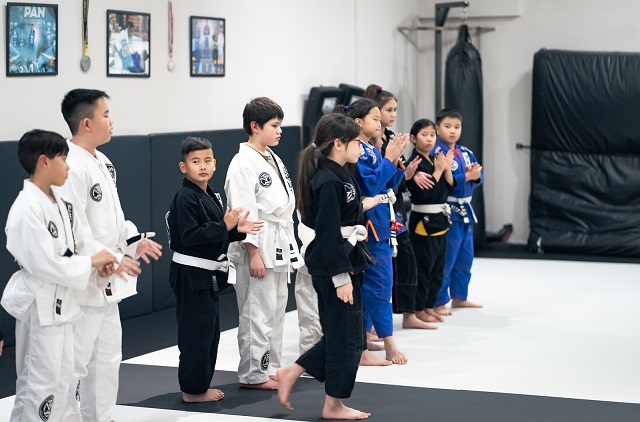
(92, 186)
(258, 181)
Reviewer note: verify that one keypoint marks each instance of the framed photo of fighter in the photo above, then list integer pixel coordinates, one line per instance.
(128, 44)
(31, 39)
(207, 46)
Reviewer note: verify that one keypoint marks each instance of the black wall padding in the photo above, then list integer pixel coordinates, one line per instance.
(12, 174)
(585, 158)
(166, 179)
(463, 92)
(131, 156)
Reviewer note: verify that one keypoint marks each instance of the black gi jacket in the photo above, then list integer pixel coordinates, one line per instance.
(196, 228)
(334, 202)
(436, 195)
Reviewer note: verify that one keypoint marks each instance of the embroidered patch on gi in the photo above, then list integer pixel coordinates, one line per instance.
(279, 254)
(350, 191)
(265, 179)
(467, 159)
(219, 198)
(454, 165)
(69, 207)
(112, 172)
(53, 229)
(45, 408)
(264, 362)
(78, 391)
(96, 192)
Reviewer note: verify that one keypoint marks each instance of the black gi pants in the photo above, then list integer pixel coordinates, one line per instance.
(197, 313)
(335, 358)
(430, 253)
(405, 280)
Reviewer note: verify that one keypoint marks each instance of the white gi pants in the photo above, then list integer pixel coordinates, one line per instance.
(261, 308)
(308, 316)
(98, 352)
(44, 364)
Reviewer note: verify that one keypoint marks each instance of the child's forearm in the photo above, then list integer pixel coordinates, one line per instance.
(448, 176)
(437, 174)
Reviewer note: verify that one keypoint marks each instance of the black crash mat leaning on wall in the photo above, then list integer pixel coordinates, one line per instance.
(585, 158)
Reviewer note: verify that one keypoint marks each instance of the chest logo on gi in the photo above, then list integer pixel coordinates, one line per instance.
(53, 229)
(350, 191)
(219, 199)
(96, 192)
(454, 165)
(44, 411)
(112, 172)
(265, 179)
(264, 362)
(69, 207)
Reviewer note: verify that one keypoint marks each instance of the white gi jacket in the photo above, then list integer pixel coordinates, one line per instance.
(253, 184)
(91, 187)
(42, 237)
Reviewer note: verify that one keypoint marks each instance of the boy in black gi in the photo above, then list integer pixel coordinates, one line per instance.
(200, 229)
(429, 219)
(329, 203)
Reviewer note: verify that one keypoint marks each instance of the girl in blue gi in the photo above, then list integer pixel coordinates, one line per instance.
(467, 173)
(377, 176)
(329, 203)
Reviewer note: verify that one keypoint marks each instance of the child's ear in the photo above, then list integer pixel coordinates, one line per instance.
(255, 127)
(413, 139)
(183, 167)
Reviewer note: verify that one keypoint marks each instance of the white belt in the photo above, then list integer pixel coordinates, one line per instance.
(465, 200)
(292, 251)
(207, 264)
(390, 198)
(431, 208)
(354, 234)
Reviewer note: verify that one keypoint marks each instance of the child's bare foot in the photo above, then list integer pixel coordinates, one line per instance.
(212, 394)
(374, 347)
(335, 409)
(287, 376)
(442, 310)
(393, 353)
(274, 377)
(372, 336)
(369, 359)
(433, 313)
(457, 303)
(415, 321)
(267, 385)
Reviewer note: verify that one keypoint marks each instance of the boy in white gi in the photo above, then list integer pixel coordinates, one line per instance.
(258, 182)
(43, 238)
(92, 187)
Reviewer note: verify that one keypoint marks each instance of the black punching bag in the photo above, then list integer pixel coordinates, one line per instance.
(463, 92)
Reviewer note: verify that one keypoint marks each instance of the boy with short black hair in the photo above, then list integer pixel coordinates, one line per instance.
(200, 229)
(43, 237)
(467, 173)
(92, 188)
(258, 181)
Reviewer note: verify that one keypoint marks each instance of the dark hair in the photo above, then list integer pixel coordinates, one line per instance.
(192, 143)
(260, 110)
(80, 104)
(39, 142)
(379, 95)
(448, 112)
(357, 110)
(330, 127)
(419, 125)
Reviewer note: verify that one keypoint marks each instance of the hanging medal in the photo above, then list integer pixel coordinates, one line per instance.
(85, 63)
(171, 64)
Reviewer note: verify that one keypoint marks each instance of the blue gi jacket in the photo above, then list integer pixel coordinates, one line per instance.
(374, 176)
(463, 189)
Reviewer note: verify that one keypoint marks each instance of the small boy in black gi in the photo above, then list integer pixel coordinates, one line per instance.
(200, 229)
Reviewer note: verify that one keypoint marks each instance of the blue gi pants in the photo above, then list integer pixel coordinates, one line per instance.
(458, 261)
(376, 289)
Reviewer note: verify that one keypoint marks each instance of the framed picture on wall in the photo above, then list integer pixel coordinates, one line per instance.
(207, 46)
(31, 39)
(128, 44)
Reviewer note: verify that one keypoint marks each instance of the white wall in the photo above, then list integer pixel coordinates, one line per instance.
(275, 48)
(507, 55)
